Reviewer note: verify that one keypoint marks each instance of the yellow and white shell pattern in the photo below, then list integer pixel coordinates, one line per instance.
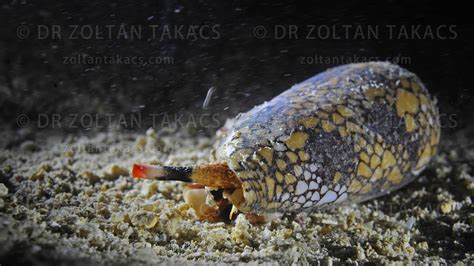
(351, 133)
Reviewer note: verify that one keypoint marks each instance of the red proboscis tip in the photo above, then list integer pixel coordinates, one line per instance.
(140, 170)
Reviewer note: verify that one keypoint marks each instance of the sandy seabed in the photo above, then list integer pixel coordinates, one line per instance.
(69, 199)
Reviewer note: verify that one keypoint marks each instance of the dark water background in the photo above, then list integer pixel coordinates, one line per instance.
(231, 55)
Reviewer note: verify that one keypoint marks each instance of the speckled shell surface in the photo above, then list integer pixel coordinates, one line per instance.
(349, 134)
